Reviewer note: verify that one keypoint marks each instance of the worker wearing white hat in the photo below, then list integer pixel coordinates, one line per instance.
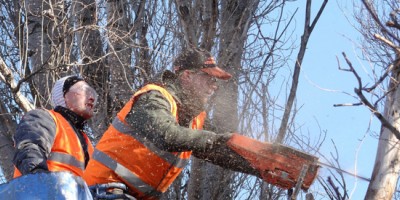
(54, 140)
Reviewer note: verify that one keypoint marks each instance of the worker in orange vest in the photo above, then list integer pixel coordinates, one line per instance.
(152, 138)
(55, 140)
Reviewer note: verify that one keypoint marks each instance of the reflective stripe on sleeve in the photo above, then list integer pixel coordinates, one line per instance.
(124, 173)
(66, 159)
(172, 159)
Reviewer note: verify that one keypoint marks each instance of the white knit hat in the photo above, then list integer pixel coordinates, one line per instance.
(60, 88)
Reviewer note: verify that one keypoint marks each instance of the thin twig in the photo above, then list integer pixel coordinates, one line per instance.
(347, 104)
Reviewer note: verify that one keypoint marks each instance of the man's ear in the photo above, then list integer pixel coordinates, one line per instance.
(186, 75)
(67, 100)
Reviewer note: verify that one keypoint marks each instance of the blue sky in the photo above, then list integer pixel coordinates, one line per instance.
(322, 85)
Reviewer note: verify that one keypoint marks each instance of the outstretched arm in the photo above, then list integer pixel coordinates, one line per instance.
(151, 117)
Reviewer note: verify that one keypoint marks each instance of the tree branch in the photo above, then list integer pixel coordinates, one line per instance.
(386, 41)
(364, 100)
(296, 73)
(376, 19)
(318, 15)
(8, 78)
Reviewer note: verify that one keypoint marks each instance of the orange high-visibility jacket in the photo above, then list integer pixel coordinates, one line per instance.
(66, 153)
(125, 156)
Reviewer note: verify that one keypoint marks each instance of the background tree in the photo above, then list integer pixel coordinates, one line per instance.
(88, 55)
(379, 25)
(119, 45)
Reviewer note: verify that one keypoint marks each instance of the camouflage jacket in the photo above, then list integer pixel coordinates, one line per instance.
(150, 115)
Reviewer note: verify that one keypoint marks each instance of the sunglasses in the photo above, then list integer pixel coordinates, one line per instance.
(84, 90)
(210, 79)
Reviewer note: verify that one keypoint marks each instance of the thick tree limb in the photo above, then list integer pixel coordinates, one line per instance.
(389, 43)
(8, 78)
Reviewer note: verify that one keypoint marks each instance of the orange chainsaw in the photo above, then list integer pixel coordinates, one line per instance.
(279, 165)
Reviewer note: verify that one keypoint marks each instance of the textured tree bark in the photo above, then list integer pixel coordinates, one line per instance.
(6, 143)
(48, 43)
(39, 44)
(119, 50)
(387, 166)
(141, 24)
(93, 69)
(7, 151)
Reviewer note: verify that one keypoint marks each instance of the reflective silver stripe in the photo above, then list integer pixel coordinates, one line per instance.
(66, 159)
(172, 159)
(124, 173)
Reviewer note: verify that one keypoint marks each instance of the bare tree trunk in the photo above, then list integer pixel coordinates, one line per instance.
(119, 36)
(387, 164)
(48, 44)
(91, 53)
(380, 42)
(39, 45)
(6, 143)
(7, 151)
(142, 53)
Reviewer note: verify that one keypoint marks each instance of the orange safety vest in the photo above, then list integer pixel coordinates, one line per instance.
(125, 156)
(66, 153)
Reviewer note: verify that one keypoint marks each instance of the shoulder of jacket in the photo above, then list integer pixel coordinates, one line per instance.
(38, 112)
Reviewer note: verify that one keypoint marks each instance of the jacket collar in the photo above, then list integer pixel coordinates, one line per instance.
(76, 120)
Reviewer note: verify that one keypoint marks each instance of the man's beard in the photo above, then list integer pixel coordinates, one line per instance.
(193, 103)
